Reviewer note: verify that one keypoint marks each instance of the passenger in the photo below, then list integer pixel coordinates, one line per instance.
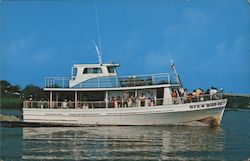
(174, 96)
(129, 102)
(213, 92)
(185, 95)
(142, 99)
(190, 97)
(198, 93)
(116, 103)
(181, 91)
(86, 105)
(174, 93)
(119, 101)
(138, 102)
(194, 95)
(112, 102)
(79, 105)
(152, 99)
(65, 104)
(125, 99)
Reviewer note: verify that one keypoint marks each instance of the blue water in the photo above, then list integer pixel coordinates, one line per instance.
(230, 141)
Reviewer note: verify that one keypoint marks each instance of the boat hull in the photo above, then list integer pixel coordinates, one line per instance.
(200, 113)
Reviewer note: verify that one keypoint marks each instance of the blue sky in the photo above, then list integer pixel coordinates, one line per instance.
(208, 40)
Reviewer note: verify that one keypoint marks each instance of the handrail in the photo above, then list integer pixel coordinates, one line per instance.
(91, 104)
(118, 103)
(200, 98)
(117, 81)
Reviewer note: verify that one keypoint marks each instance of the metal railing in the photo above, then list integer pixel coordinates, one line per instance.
(118, 103)
(92, 104)
(57, 82)
(105, 82)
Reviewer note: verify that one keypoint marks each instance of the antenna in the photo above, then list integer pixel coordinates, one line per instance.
(98, 50)
(98, 53)
(172, 65)
(173, 68)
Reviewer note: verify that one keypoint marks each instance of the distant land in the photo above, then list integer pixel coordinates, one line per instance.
(237, 100)
(12, 96)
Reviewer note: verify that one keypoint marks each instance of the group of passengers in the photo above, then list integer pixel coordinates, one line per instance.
(185, 96)
(128, 100)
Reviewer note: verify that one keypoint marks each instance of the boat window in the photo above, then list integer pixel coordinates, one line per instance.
(85, 71)
(74, 72)
(97, 70)
(111, 69)
(92, 70)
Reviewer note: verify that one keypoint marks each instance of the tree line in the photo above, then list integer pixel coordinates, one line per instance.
(14, 91)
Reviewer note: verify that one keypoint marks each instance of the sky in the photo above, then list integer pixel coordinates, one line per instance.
(209, 40)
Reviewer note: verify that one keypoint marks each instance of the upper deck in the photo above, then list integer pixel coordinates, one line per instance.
(113, 81)
(93, 76)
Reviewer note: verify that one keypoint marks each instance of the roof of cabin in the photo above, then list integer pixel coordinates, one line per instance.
(95, 65)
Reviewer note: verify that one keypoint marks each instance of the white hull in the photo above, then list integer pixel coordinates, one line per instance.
(206, 112)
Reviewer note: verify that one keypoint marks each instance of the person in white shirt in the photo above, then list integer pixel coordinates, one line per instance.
(213, 93)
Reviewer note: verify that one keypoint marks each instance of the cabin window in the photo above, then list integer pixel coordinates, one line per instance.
(85, 71)
(97, 70)
(92, 70)
(74, 72)
(111, 69)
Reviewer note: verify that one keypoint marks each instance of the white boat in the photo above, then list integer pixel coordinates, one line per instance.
(96, 95)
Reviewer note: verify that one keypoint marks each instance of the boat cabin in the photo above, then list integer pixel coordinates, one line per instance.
(88, 74)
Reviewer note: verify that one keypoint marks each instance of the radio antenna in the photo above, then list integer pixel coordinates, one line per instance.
(98, 50)
(174, 70)
(98, 53)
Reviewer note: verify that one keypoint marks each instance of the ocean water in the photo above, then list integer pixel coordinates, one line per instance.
(230, 141)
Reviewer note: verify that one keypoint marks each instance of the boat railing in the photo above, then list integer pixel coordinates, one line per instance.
(118, 103)
(105, 82)
(91, 104)
(199, 98)
(57, 82)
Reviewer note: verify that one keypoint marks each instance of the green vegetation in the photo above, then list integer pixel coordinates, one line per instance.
(11, 102)
(237, 101)
(13, 95)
